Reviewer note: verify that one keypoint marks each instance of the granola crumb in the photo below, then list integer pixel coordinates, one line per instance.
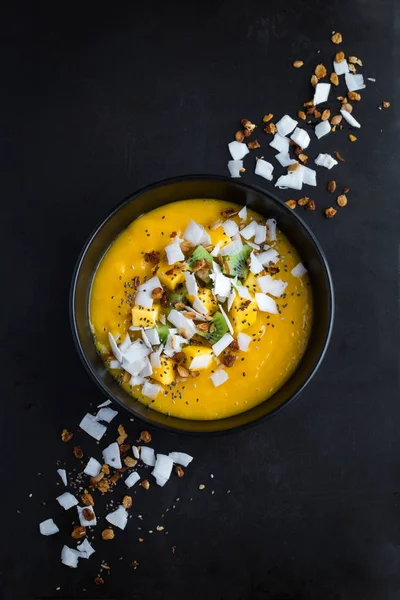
(122, 435)
(291, 204)
(248, 125)
(87, 499)
(268, 117)
(303, 158)
(347, 107)
(301, 114)
(354, 96)
(145, 437)
(385, 104)
(330, 212)
(270, 128)
(78, 452)
(127, 501)
(352, 137)
(134, 564)
(339, 57)
(346, 190)
(314, 80)
(341, 200)
(202, 486)
(105, 469)
(310, 205)
(108, 534)
(337, 38)
(326, 114)
(338, 156)
(253, 145)
(320, 71)
(336, 120)
(145, 484)
(298, 63)
(66, 435)
(78, 532)
(98, 580)
(160, 528)
(334, 79)
(239, 136)
(179, 471)
(331, 186)
(303, 201)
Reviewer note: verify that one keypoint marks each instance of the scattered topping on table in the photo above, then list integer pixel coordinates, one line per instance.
(48, 527)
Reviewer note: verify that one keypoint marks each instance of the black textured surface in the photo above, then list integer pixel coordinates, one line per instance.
(98, 101)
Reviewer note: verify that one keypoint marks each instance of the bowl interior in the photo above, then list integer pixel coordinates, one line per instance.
(203, 187)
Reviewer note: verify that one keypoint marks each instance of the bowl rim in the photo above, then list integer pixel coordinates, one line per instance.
(149, 421)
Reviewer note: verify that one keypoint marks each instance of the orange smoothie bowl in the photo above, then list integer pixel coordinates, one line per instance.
(197, 315)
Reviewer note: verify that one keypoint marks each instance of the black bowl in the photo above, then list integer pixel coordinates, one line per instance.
(183, 188)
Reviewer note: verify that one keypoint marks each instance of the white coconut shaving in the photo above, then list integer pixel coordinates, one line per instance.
(133, 478)
(83, 521)
(323, 128)
(144, 299)
(191, 284)
(299, 270)
(162, 469)
(147, 456)
(85, 549)
(280, 143)
(202, 361)
(268, 256)
(309, 175)
(232, 248)
(155, 360)
(114, 364)
(261, 234)
(63, 475)
(300, 137)
(136, 380)
(223, 343)
(151, 390)
(181, 458)
(70, 557)
(181, 322)
(242, 214)
(285, 125)
(135, 452)
(216, 250)
(48, 527)
(292, 180)
(341, 68)
(321, 93)
(222, 285)
(255, 264)
(152, 336)
(253, 245)
(146, 339)
(243, 341)
(114, 348)
(268, 285)
(174, 252)
(67, 500)
(226, 319)
(284, 159)
(118, 518)
(325, 160)
(271, 230)
(230, 227)
(193, 233)
(354, 82)
(199, 306)
(264, 169)
(103, 404)
(93, 468)
(112, 456)
(238, 150)
(249, 231)
(231, 299)
(106, 414)
(219, 377)
(235, 167)
(350, 119)
(266, 303)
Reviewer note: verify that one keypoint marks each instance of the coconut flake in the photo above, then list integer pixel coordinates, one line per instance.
(261, 234)
(162, 469)
(285, 125)
(222, 286)
(266, 304)
(242, 214)
(174, 252)
(118, 518)
(350, 119)
(243, 292)
(103, 404)
(133, 478)
(135, 451)
(253, 245)
(155, 360)
(235, 167)
(202, 361)
(93, 468)
(83, 521)
(67, 500)
(199, 306)
(300, 137)
(243, 341)
(309, 175)
(191, 284)
(136, 380)
(114, 348)
(48, 527)
(238, 150)
(216, 250)
(284, 159)
(151, 390)
(231, 298)
(341, 68)
(111, 456)
(114, 364)
(92, 427)
(230, 227)
(134, 368)
(219, 377)
(63, 474)
(249, 231)
(152, 336)
(147, 456)
(106, 414)
(226, 319)
(299, 270)
(255, 265)
(147, 369)
(321, 93)
(193, 233)
(69, 557)
(144, 300)
(125, 344)
(322, 129)
(146, 339)
(354, 82)
(150, 285)
(136, 352)
(268, 256)
(292, 180)
(181, 322)
(223, 343)
(264, 169)
(371, 79)
(85, 549)
(271, 227)
(325, 160)
(232, 248)
(280, 143)
(181, 458)
(275, 287)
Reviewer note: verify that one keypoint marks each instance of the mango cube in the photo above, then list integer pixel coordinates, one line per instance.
(207, 298)
(191, 352)
(243, 313)
(171, 277)
(165, 374)
(251, 283)
(145, 317)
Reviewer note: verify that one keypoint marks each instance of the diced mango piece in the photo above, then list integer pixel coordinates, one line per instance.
(170, 277)
(145, 317)
(207, 298)
(165, 374)
(243, 314)
(251, 284)
(191, 351)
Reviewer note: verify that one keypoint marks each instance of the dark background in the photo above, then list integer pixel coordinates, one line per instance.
(97, 101)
